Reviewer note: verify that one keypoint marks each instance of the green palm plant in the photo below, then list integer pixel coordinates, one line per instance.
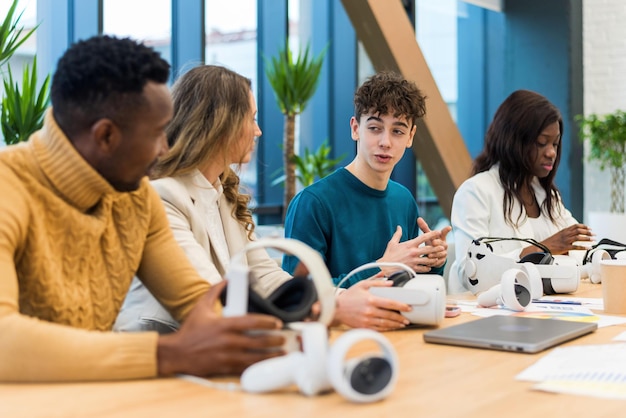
(312, 165)
(23, 110)
(11, 36)
(607, 145)
(294, 82)
(23, 107)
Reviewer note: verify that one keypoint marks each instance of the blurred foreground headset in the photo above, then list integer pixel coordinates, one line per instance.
(292, 301)
(426, 293)
(318, 368)
(484, 269)
(310, 364)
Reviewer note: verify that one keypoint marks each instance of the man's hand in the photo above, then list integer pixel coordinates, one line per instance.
(208, 344)
(418, 253)
(358, 308)
(437, 242)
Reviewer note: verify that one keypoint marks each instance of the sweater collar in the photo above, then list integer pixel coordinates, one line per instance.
(74, 179)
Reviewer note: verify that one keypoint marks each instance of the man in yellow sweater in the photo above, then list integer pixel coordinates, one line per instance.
(78, 219)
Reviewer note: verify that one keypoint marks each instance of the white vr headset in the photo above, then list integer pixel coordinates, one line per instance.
(426, 293)
(606, 249)
(484, 269)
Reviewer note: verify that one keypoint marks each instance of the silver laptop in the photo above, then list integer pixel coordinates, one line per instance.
(511, 333)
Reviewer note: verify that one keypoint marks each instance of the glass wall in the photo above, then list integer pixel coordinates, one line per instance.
(231, 41)
(125, 18)
(436, 33)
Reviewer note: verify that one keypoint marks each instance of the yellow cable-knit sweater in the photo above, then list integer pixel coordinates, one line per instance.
(69, 247)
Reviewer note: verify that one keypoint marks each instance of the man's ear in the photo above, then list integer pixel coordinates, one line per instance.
(106, 135)
(354, 128)
(412, 135)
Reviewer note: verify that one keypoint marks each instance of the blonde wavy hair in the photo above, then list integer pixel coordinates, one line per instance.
(210, 105)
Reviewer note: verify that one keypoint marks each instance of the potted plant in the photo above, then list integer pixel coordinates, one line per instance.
(606, 135)
(23, 107)
(312, 166)
(10, 35)
(294, 82)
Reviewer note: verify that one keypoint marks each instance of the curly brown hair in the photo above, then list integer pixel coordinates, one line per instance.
(388, 91)
(210, 105)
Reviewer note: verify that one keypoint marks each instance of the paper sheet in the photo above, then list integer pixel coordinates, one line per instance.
(592, 370)
(566, 311)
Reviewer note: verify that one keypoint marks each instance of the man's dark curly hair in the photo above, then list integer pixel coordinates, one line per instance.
(387, 91)
(103, 77)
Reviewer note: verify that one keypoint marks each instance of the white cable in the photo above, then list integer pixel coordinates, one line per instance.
(368, 266)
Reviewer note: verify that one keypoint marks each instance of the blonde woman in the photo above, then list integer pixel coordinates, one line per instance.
(214, 126)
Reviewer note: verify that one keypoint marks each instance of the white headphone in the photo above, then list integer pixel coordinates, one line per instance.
(426, 293)
(238, 276)
(318, 368)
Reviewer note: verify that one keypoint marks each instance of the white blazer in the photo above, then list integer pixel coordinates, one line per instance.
(477, 211)
(185, 203)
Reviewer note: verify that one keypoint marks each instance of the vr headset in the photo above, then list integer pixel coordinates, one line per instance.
(426, 293)
(484, 269)
(290, 302)
(606, 249)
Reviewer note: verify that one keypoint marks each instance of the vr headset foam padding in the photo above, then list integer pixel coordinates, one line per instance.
(290, 302)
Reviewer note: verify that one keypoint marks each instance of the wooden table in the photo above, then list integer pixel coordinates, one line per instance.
(434, 381)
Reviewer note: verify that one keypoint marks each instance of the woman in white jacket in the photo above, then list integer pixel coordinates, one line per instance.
(214, 126)
(511, 193)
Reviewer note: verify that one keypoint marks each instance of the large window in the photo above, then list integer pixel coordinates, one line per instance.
(436, 32)
(125, 18)
(231, 41)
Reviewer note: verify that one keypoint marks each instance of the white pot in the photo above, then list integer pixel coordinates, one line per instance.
(608, 225)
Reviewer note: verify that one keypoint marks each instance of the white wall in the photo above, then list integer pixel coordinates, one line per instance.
(604, 73)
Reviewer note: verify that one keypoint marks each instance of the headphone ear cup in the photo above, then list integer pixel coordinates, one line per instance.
(369, 374)
(291, 301)
(364, 379)
(238, 275)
